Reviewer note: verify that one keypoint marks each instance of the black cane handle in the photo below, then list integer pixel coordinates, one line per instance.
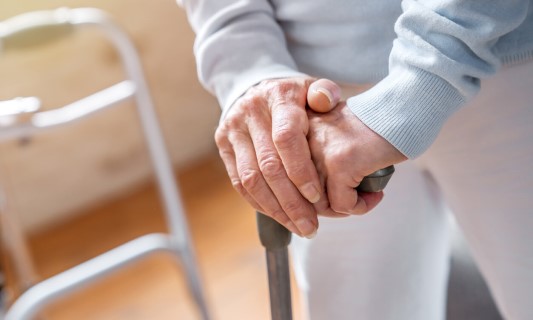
(376, 181)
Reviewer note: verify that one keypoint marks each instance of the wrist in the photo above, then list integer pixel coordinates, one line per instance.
(407, 109)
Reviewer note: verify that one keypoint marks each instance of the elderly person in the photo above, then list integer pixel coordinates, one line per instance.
(445, 83)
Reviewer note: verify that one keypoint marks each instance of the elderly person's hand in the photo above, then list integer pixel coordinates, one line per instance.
(344, 151)
(262, 141)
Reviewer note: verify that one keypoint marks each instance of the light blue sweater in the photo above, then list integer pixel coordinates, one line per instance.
(427, 56)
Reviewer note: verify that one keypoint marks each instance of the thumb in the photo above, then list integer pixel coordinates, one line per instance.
(323, 95)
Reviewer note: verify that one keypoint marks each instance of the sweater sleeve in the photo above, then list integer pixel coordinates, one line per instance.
(442, 50)
(238, 44)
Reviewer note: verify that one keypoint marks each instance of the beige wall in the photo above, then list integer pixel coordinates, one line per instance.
(61, 172)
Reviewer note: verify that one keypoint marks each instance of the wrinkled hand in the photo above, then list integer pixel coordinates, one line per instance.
(344, 151)
(262, 141)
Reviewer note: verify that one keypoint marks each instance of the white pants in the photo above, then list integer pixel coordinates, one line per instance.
(393, 262)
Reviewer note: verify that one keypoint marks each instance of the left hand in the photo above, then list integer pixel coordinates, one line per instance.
(344, 151)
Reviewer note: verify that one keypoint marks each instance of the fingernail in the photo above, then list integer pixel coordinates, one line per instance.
(312, 235)
(327, 93)
(306, 227)
(310, 192)
(344, 213)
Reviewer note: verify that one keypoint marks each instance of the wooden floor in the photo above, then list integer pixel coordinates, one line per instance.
(223, 228)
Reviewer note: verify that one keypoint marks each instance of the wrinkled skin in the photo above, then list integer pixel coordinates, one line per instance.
(262, 141)
(292, 163)
(344, 151)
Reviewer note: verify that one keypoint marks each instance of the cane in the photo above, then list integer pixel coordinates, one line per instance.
(276, 238)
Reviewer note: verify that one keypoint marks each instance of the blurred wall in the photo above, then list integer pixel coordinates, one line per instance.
(61, 172)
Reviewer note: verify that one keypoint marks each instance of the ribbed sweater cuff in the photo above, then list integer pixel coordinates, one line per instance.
(407, 108)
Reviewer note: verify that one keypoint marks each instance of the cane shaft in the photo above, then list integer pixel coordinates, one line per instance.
(275, 238)
(279, 283)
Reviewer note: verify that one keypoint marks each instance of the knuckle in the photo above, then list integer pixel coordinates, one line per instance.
(271, 166)
(285, 136)
(274, 86)
(251, 101)
(284, 86)
(247, 105)
(281, 88)
(220, 137)
(231, 122)
(250, 178)
(287, 89)
(237, 185)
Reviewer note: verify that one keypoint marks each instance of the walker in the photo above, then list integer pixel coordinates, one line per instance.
(42, 26)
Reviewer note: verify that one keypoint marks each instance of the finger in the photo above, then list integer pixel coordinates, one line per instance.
(323, 95)
(345, 199)
(323, 208)
(289, 129)
(368, 201)
(296, 207)
(342, 196)
(228, 158)
(253, 182)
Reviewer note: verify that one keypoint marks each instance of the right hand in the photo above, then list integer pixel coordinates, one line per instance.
(344, 150)
(323, 96)
(262, 141)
